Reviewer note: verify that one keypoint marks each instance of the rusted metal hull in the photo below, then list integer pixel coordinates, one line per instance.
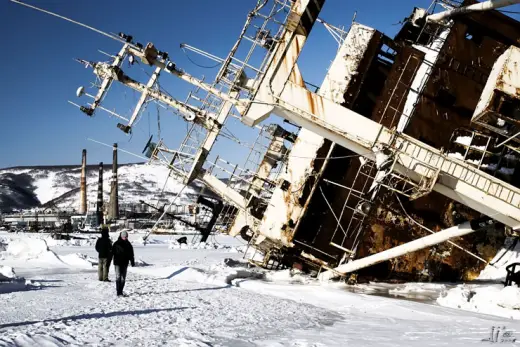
(432, 86)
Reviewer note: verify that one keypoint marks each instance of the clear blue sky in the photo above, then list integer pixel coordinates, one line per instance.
(39, 127)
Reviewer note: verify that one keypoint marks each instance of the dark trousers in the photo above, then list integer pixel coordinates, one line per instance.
(103, 267)
(120, 278)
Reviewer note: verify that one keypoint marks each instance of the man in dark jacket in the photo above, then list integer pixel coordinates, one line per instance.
(104, 248)
(123, 254)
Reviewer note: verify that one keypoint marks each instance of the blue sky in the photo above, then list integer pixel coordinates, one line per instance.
(39, 75)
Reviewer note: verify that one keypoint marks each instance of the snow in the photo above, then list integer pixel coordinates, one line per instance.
(466, 140)
(510, 298)
(74, 242)
(505, 256)
(140, 182)
(490, 299)
(211, 297)
(492, 167)
(46, 189)
(6, 273)
(27, 248)
(459, 156)
(79, 260)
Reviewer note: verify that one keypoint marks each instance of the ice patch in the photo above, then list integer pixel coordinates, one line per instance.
(286, 276)
(418, 290)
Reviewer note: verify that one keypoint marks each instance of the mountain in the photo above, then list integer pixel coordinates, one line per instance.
(29, 187)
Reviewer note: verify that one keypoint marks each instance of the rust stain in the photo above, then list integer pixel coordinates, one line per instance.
(311, 103)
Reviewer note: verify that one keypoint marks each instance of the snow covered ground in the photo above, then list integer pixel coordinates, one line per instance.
(487, 294)
(207, 296)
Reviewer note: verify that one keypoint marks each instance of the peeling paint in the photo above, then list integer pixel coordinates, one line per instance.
(285, 205)
(422, 76)
(504, 77)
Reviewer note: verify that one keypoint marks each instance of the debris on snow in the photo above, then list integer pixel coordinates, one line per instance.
(10, 282)
(141, 262)
(174, 244)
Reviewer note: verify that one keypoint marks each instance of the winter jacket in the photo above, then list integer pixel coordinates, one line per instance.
(123, 252)
(104, 245)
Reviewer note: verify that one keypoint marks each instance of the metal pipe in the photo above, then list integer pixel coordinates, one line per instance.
(424, 242)
(482, 6)
(83, 184)
(114, 198)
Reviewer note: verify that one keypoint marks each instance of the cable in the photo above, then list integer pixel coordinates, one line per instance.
(331, 210)
(512, 12)
(202, 66)
(158, 122)
(433, 232)
(510, 248)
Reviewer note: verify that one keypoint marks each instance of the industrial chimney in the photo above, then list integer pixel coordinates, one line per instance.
(114, 199)
(99, 205)
(83, 184)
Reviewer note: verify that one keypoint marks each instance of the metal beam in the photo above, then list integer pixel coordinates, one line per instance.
(482, 6)
(424, 242)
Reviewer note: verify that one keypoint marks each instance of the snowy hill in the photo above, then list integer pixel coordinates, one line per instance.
(28, 187)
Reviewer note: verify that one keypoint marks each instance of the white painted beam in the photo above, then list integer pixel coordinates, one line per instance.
(423, 242)
(479, 7)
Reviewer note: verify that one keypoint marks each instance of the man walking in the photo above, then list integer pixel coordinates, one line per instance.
(104, 249)
(123, 254)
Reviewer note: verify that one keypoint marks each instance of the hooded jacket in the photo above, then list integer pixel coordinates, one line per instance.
(123, 252)
(104, 245)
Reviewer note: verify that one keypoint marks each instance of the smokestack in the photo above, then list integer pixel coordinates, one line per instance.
(114, 199)
(99, 205)
(83, 184)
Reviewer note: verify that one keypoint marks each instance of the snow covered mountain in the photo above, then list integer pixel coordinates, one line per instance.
(28, 187)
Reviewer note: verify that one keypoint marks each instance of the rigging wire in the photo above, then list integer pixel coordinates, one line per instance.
(511, 12)
(199, 65)
(158, 121)
(433, 232)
